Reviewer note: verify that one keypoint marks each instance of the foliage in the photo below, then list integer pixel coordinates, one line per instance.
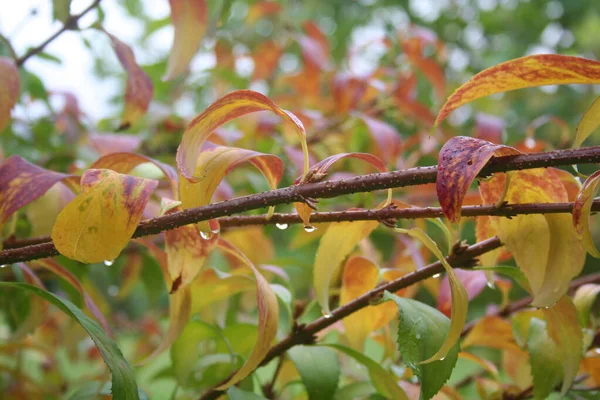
(133, 220)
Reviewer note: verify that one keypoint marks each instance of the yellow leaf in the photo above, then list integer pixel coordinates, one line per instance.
(564, 329)
(100, 221)
(9, 89)
(559, 256)
(530, 71)
(339, 240)
(186, 249)
(588, 123)
(213, 163)
(491, 332)
(190, 20)
(584, 299)
(220, 288)
(460, 299)
(268, 319)
(581, 213)
(253, 242)
(230, 106)
(139, 89)
(361, 275)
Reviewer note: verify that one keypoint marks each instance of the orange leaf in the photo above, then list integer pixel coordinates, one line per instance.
(530, 71)
(268, 319)
(266, 59)
(387, 139)
(9, 89)
(190, 20)
(139, 90)
(582, 211)
(460, 161)
(100, 221)
(491, 332)
(21, 183)
(361, 275)
(230, 106)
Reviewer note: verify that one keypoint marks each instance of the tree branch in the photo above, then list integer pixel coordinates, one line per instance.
(305, 334)
(70, 24)
(327, 189)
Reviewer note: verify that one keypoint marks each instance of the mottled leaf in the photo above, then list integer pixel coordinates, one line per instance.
(361, 275)
(588, 123)
(421, 333)
(190, 20)
(139, 89)
(268, 319)
(582, 208)
(339, 240)
(100, 221)
(123, 378)
(460, 161)
(529, 71)
(319, 369)
(384, 381)
(584, 299)
(460, 300)
(9, 89)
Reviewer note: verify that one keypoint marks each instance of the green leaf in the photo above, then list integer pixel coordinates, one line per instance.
(546, 366)
(383, 380)
(236, 394)
(421, 332)
(61, 10)
(123, 380)
(319, 369)
(354, 390)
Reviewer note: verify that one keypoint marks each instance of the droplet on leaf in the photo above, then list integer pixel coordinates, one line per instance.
(206, 235)
(437, 275)
(108, 263)
(326, 314)
(281, 226)
(310, 228)
(491, 285)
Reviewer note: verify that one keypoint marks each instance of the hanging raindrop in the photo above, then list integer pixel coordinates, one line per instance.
(310, 228)
(108, 263)
(281, 226)
(206, 235)
(437, 275)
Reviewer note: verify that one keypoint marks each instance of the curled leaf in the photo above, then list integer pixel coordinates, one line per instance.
(524, 72)
(228, 107)
(460, 161)
(473, 281)
(339, 240)
(361, 275)
(268, 318)
(582, 208)
(139, 90)
(190, 20)
(584, 299)
(9, 89)
(213, 163)
(588, 123)
(100, 221)
(460, 299)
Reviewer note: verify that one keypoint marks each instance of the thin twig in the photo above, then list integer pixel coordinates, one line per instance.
(384, 214)
(327, 189)
(70, 24)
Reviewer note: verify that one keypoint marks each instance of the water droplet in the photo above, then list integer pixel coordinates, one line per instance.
(418, 336)
(491, 285)
(310, 228)
(281, 226)
(3, 265)
(327, 315)
(113, 290)
(215, 231)
(206, 235)
(442, 359)
(108, 263)
(437, 275)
